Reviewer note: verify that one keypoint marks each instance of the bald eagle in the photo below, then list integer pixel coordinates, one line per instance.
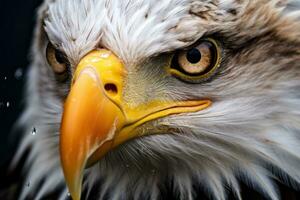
(128, 98)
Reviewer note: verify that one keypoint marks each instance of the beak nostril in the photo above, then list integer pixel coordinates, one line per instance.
(111, 88)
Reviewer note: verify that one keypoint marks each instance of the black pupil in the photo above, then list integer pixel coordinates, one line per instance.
(60, 57)
(193, 56)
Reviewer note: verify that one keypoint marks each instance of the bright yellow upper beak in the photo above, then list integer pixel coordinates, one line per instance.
(96, 118)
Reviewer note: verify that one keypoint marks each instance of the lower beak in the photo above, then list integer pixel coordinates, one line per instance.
(96, 119)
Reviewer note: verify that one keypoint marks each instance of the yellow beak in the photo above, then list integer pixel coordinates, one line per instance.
(96, 118)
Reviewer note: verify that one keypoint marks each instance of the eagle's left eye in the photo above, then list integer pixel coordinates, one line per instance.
(57, 60)
(198, 62)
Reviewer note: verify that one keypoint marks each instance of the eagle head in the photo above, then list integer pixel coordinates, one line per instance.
(133, 96)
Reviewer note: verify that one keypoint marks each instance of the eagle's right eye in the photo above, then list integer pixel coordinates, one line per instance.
(197, 63)
(57, 60)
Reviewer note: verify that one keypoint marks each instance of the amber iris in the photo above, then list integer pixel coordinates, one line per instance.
(196, 62)
(56, 59)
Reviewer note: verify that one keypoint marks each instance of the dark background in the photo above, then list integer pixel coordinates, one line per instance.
(17, 19)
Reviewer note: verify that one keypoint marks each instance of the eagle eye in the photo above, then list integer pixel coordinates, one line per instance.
(57, 60)
(198, 62)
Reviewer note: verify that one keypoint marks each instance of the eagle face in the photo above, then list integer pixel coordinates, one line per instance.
(130, 95)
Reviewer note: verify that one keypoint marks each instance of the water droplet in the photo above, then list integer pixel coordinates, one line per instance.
(5, 78)
(127, 166)
(68, 194)
(33, 132)
(7, 104)
(18, 73)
